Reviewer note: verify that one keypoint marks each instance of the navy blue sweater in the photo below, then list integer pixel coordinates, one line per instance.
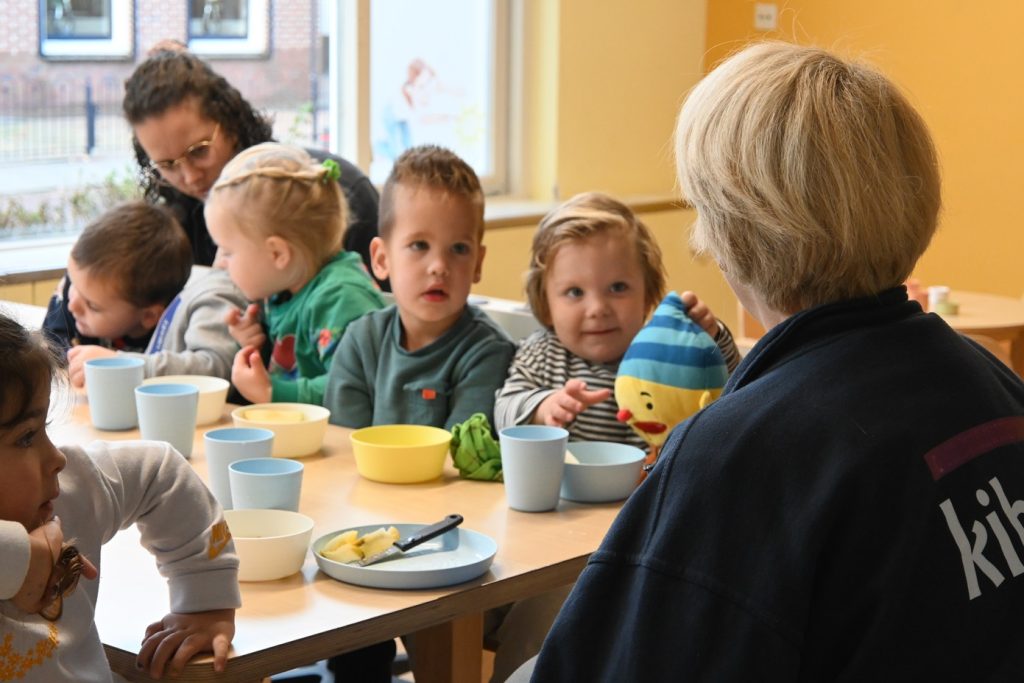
(851, 509)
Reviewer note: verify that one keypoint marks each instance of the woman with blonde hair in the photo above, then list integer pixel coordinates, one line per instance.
(850, 509)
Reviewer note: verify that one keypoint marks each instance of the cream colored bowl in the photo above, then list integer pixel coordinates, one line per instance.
(400, 454)
(271, 544)
(292, 439)
(213, 393)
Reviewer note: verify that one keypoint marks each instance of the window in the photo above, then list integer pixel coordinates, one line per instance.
(410, 73)
(229, 28)
(85, 29)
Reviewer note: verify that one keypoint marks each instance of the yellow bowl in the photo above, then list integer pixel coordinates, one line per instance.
(213, 393)
(292, 439)
(400, 454)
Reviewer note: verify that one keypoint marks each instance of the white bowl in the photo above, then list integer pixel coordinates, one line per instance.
(291, 439)
(213, 393)
(271, 544)
(606, 471)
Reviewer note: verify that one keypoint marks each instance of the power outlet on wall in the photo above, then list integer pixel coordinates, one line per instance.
(766, 16)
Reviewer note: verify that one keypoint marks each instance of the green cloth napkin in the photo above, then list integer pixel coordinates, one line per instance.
(474, 451)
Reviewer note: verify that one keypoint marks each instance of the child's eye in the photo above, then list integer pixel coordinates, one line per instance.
(574, 292)
(92, 307)
(619, 287)
(460, 248)
(26, 439)
(419, 245)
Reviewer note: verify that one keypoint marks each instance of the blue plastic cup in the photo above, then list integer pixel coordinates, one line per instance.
(109, 383)
(167, 412)
(266, 483)
(231, 444)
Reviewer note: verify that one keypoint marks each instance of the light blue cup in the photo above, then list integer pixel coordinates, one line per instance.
(109, 383)
(231, 444)
(533, 461)
(167, 412)
(265, 483)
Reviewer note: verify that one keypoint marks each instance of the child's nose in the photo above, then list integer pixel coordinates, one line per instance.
(74, 303)
(439, 266)
(597, 305)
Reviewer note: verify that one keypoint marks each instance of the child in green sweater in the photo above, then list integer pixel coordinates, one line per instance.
(277, 219)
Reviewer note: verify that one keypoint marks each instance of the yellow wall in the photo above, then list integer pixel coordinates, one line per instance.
(37, 293)
(603, 81)
(961, 65)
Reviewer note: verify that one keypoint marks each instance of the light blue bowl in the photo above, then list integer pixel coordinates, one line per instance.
(606, 471)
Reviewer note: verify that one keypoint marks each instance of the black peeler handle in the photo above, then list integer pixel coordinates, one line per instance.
(429, 532)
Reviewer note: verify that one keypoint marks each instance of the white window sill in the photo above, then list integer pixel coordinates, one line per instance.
(45, 258)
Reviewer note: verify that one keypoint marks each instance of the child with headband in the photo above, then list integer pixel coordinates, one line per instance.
(277, 219)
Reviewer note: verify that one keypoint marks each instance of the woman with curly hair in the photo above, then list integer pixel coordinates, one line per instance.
(187, 123)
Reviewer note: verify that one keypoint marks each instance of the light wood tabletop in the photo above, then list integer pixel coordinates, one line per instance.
(310, 616)
(987, 315)
(991, 315)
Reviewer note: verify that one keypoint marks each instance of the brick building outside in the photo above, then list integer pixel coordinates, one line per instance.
(43, 100)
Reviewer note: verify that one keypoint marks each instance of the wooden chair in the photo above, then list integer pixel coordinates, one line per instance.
(996, 348)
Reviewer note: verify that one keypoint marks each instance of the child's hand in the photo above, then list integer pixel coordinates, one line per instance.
(171, 642)
(700, 313)
(77, 355)
(249, 376)
(562, 407)
(44, 547)
(245, 328)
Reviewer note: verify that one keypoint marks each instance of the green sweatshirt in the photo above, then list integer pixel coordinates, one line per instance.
(375, 381)
(305, 327)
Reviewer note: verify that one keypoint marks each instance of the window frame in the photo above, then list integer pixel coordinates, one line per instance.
(349, 66)
(256, 44)
(118, 46)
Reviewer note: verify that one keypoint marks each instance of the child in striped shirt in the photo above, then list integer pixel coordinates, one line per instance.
(595, 276)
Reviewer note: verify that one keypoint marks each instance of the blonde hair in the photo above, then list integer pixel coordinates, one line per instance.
(437, 168)
(814, 179)
(281, 191)
(581, 217)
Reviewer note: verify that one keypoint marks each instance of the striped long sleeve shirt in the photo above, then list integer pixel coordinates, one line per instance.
(542, 366)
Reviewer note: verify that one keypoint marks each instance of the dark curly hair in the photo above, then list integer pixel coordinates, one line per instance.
(166, 79)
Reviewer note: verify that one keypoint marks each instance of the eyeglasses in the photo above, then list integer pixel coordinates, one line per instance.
(67, 569)
(195, 155)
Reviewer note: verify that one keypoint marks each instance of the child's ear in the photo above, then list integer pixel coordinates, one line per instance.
(151, 315)
(280, 250)
(379, 258)
(478, 273)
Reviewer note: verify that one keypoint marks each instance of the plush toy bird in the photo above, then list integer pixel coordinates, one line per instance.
(672, 369)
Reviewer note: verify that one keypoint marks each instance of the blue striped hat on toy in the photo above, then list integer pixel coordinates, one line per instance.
(673, 350)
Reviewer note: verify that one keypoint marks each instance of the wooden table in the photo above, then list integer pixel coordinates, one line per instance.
(991, 315)
(310, 616)
(29, 315)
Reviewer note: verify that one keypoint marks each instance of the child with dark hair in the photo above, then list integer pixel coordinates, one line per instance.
(88, 493)
(131, 288)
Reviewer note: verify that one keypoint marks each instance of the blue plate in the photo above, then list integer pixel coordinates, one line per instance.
(454, 557)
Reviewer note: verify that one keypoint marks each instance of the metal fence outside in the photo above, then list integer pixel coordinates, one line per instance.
(60, 118)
